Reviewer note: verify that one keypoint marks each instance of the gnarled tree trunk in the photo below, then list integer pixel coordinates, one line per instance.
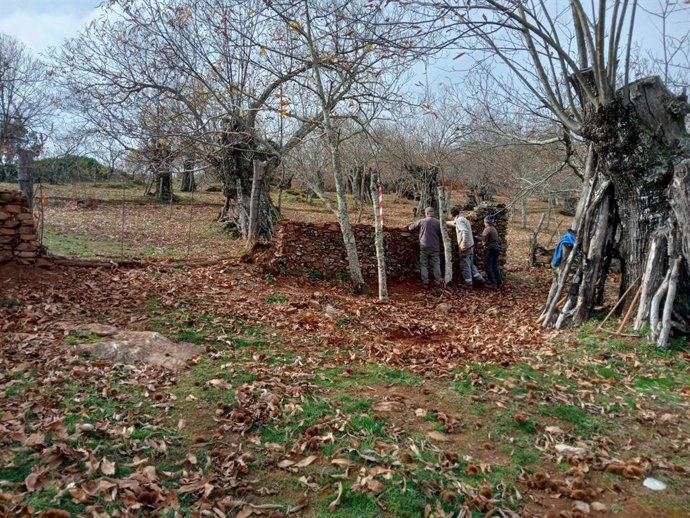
(163, 181)
(238, 153)
(634, 205)
(426, 186)
(188, 180)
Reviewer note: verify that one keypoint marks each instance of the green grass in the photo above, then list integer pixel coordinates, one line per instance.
(80, 246)
(352, 505)
(82, 337)
(276, 297)
(342, 377)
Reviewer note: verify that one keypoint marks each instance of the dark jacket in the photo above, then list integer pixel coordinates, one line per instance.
(429, 233)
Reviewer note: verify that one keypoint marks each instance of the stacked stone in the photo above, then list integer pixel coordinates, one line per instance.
(18, 239)
(476, 218)
(317, 250)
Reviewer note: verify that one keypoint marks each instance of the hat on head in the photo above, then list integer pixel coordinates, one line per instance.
(490, 220)
(429, 210)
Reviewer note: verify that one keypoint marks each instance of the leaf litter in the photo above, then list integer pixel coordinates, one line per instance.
(104, 439)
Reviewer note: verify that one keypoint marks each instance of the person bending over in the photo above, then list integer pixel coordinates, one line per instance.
(429, 245)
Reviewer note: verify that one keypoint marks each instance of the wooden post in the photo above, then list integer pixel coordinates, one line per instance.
(378, 236)
(253, 228)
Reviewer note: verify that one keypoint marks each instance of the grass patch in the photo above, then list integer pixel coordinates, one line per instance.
(82, 337)
(80, 246)
(368, 374)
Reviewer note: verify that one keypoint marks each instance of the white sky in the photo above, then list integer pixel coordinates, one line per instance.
(44, 23)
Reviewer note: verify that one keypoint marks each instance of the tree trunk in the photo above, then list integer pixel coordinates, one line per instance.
(426, 186)
(523, 208)
(343, 217)
(163, 181)
(25, 175)
(236, 165)
(378, 237)
(533, 242)
(443, 198)
(257, 179)
(188, 180)
(635, 202)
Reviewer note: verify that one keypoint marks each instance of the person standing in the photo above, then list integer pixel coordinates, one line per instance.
(469, 271)
(492, 249)
(429, 245)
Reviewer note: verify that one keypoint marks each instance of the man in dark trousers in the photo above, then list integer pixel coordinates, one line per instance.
(429, 245)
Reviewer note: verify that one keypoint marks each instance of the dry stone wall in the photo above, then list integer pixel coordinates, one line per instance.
(317, 250)
(18, 241)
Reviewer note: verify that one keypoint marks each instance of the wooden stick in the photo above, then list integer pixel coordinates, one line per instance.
(616, 333)
(630, 309)
(558, 305)
(614, 308)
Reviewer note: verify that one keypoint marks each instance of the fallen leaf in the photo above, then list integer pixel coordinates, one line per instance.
(335, 503)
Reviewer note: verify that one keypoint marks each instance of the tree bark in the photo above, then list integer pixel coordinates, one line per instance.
(639, 157)
(378, 238)
(163, 181)
(443, 198)
(236, 164)
(426, 186)
(188, 180)
(254, 203)
(25, 175)
(523, 208)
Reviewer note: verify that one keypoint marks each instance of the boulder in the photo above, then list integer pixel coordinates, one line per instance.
(143, 347)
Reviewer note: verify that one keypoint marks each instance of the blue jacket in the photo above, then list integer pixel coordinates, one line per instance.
(568, 239)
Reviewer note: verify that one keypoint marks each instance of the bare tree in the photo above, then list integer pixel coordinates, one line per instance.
(576, 63)
(24, 109)
(346, 81)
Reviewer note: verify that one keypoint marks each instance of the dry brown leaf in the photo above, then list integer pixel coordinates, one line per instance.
(335, 503)
(306, 461)
(107, 467)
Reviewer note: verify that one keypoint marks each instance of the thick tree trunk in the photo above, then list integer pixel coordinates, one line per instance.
(188, 180)
(426, 186)
(163, 181)
(635, 204)
(25, 175)
(237, 173)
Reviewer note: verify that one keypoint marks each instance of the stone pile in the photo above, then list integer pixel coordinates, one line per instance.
(317, 250)
(18, 241)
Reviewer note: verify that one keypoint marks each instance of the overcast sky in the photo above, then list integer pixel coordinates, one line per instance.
(43, 23)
